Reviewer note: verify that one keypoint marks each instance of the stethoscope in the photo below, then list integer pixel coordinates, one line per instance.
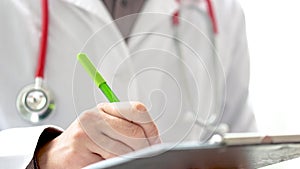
(210, 12)
(210, 125)
(35, 102)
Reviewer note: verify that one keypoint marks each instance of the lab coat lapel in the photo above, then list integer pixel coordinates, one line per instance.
(166, 7)
(111, 56)
(97, 8)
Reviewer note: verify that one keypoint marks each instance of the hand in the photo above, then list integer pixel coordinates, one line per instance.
(110, 130)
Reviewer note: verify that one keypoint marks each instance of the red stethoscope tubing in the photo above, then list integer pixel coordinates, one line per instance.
(210, 12)
(45, 24)
(212, 16)
(43, 41)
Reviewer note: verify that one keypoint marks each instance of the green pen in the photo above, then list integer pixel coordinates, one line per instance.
(96, 76)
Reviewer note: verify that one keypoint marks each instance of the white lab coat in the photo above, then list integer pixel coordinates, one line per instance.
(174, 87)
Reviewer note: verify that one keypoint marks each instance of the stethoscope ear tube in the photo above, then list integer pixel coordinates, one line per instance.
(210, 13)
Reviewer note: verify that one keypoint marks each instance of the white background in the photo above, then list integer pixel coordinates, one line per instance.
(273, 29)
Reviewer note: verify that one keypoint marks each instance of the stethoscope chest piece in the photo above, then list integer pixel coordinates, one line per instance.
(35, 102)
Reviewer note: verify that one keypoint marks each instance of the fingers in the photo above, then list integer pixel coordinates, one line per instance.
(107, 131)
(108, 147)
(124, 131)
(136, 113)
(118, 128)
(115, 136)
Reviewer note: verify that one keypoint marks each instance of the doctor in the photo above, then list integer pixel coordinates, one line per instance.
(187, 61)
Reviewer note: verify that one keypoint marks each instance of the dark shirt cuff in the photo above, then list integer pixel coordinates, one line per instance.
(47, 135)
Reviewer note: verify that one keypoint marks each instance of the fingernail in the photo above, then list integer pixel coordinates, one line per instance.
(140, 107)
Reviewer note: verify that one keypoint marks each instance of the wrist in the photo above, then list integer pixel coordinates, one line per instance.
(46, 137)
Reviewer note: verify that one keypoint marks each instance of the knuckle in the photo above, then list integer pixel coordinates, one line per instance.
(79, 134)
(152, 130)
(86, 115)
(136, 131)
(89, 115)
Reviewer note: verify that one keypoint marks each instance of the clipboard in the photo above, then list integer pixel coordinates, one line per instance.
(247, 151)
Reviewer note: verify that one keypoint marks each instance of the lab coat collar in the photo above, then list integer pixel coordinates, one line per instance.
(96, 7)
